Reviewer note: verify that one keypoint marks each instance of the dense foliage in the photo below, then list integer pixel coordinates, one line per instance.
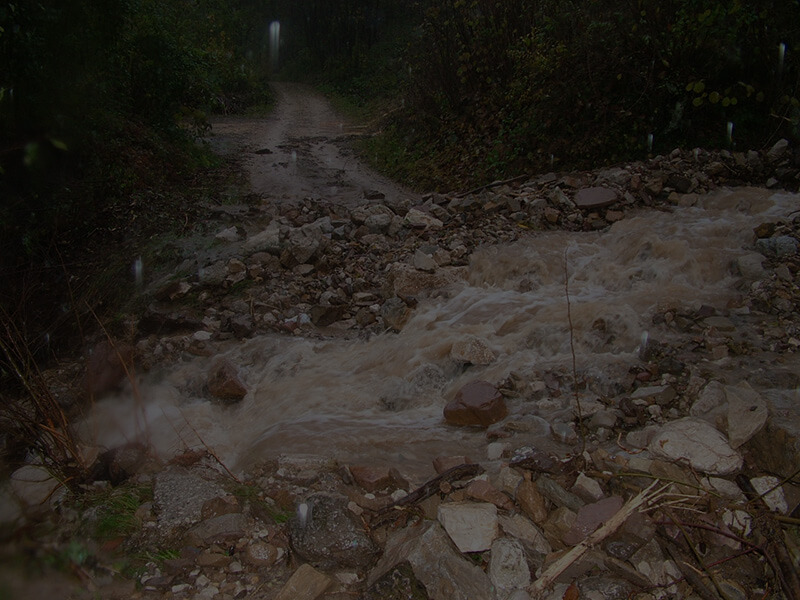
(100, 104)
(497, 88)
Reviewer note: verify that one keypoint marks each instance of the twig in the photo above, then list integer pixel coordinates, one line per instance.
(775, 550)
(427, 490)
(578, 409)
(690, 574)
(210, 450)
(491, 185)
(689, 542)
(712, 529)
(644, 500)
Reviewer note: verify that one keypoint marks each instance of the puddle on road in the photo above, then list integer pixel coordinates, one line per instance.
(380, 401)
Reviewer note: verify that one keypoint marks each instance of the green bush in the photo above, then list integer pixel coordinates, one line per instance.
(526, 85)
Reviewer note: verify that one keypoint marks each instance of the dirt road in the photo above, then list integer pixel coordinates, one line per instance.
(302, 150)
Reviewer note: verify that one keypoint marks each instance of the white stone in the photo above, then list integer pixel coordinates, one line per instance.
(208, 593)
(751, 266)
(587, 488)
(660, 394)
(471, 525)
(508, 480)
(508, 568)
(268, 240)
(738, 520)
(418, 219)
(522, 528)
(709, 401)
(723, 487)
(424, 262)
(695, 441)
(778, 149)
(228, 235)
(650, 562)
(306, 583)
(445, 574)
(774, 499)
(33, 484)
(494, 451)
(747, 413)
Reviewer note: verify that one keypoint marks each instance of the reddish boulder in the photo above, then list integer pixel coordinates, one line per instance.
(224, 382)
(477, 403)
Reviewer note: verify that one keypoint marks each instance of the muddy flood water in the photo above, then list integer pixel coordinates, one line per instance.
(380, 400)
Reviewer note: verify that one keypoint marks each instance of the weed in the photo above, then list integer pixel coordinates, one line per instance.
(262, 507)
(115, 511)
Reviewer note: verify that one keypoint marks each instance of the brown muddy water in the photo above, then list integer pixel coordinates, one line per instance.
(381, 400)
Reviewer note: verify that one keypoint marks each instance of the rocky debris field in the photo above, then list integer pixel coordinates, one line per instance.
(683, 483)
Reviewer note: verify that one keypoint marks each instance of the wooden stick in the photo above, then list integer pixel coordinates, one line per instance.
(775, 548)
(538, 588)
(428, 489)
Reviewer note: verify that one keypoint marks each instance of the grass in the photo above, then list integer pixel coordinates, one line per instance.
(115, 510)
(260, 505)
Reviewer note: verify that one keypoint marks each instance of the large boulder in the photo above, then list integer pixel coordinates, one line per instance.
(477, 403)
(224, 382)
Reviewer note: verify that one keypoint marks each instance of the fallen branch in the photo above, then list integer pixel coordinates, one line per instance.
(690, 574)
(775, 549)
(489, 186)
(427, 490)
(642, 501)
(694, 579)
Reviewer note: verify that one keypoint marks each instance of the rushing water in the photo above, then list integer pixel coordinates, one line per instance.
(381, 400)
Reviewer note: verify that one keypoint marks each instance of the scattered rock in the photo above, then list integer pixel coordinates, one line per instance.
(477, 403)
(778, 150)
(508, 568)
(327, 534)
(306, 583)
(472, 350)
(698, 443)
(399, 583)
(224, 382)
(471, 525)
(590, 517)
(33, 485)
(417, 219)
(445, 574)
(595, 197)
(747, 413)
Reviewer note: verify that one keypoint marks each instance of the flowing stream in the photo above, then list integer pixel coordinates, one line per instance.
(381, 400)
